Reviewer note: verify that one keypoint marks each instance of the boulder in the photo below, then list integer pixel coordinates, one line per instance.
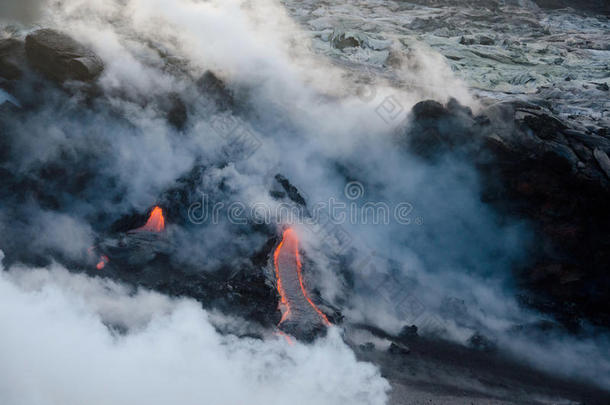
(602, 86)
(429, 109)
(437, 129)
(59, 57)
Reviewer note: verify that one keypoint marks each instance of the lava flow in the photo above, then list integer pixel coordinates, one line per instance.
(102, 263)
(155, 223)
(295, 303)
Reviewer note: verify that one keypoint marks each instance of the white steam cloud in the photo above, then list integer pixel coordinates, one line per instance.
(72, 339)
(24, 11)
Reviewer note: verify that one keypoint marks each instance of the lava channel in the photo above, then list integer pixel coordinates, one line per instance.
(299, 313)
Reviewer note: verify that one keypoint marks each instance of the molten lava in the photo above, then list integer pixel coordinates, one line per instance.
(103, 260)
(155, 223)
(285, 259)
(284, 305)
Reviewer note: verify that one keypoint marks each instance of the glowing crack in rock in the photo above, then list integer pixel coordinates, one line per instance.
(298, 310)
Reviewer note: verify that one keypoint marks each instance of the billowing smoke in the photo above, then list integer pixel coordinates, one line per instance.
(96, 341)
(26, 11)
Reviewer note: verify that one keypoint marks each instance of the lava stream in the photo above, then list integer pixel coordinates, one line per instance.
(295, 303)
(155, 223)
(102, 263)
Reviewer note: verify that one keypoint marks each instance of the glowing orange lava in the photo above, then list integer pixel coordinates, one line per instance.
(284, 305)
(103, 260)
(290, 235)
(285, 336)
(155, 223)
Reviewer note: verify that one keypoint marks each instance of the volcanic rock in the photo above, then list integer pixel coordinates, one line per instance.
(292, 191)
(408, 332)
(603, 161)
(398, 349)
(596, 6)
(177, 114)
(59, 57)
(535, 165)
(543, 125)
(12, 58)
(213, 87)
(436, 129)
(344, 40)
(491, 4)
(467, 41)
(484, 40)
(133, 250)
(481, 40)
(429, 109)
(602, 86)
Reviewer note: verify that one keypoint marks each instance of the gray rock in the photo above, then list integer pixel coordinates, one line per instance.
(60, 57)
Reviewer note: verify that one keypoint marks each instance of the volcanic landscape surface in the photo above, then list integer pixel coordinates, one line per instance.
(305, 202)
